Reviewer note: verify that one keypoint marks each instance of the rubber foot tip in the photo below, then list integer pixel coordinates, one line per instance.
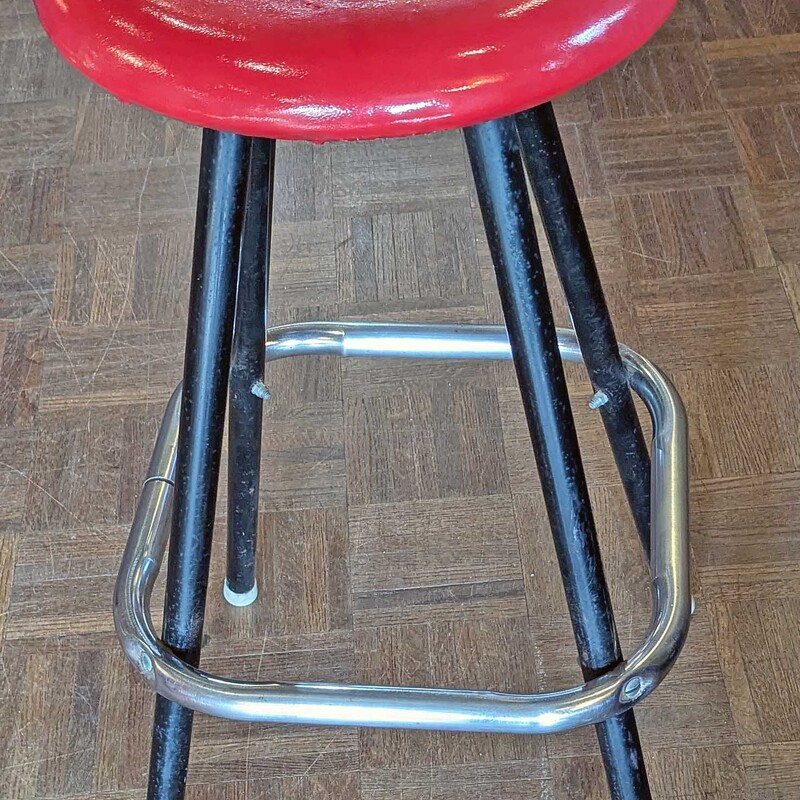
(239, 599)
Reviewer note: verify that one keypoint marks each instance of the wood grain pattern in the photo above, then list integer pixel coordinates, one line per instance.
(403, 537)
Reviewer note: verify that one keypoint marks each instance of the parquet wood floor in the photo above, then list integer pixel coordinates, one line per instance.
(403, 536)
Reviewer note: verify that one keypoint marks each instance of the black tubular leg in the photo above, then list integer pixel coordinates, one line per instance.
(246, 390)
(546, 162)
(500, 180)
(220, 206)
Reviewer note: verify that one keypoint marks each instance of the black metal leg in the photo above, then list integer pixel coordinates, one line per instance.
(220, 207)
(247, 391)
(500, 179)
(555, 194)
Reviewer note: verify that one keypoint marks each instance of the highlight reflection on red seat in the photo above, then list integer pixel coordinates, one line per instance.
(345, 69)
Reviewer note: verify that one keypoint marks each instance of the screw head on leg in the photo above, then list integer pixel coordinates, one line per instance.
(239, 599)
(599, 399)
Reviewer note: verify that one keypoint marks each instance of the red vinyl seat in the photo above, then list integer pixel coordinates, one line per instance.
(345, 69)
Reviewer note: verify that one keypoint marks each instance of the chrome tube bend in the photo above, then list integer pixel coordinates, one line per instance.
(428, 709)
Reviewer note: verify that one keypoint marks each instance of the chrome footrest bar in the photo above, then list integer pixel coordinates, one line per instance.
(423, 709)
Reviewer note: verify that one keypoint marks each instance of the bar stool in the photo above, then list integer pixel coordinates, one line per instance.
(255, 71)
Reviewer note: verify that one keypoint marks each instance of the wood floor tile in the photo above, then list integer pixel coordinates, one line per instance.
(27, 284)
(415, 560)
(447, 788)
(21, 367)
(303, 182)
(88, 472)
(421, 445)
(674, 775)
(734, 19)
(389, 257)
(34, 72)
(745, 70)
(790, 275)
(8, 546)
(19, 21)
(682, 233)
(772, 770)
(304, 575)
(299, 787)
(302, 266)
(746, 520)
(35, 206)
(758, 656)
(768, 138)
(58, 585)
(97, 200)
(109, 131)
(658, 153)
(276, 751)
(582, 148)
(160, 287)
(655, 82)
(16, 446)
(733, 437)
(404, 175)
(303, 460)
(48, 143)
(512, 780)
(778, 205)
(121, 279)
(743, 317)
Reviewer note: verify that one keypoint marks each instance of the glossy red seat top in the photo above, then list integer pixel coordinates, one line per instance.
(345, 69)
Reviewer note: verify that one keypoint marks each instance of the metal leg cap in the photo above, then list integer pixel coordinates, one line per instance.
(239, 599)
